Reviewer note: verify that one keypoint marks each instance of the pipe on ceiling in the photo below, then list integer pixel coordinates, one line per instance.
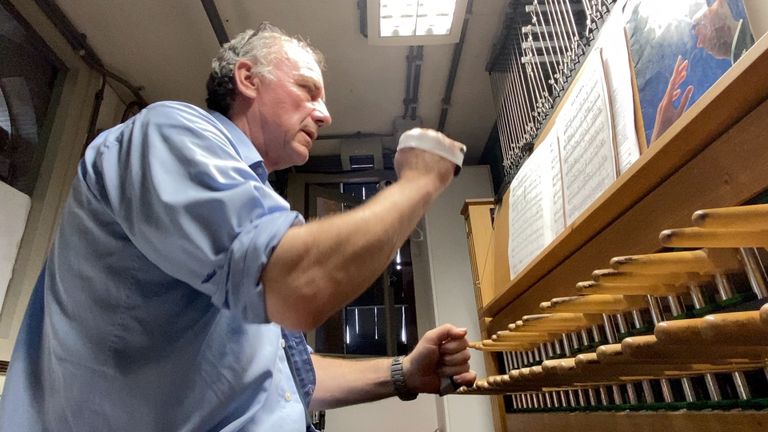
(215, 19)
(78, 42)
(412, 79)
(446, 101)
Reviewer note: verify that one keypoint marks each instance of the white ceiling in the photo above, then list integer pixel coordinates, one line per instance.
(166, 46)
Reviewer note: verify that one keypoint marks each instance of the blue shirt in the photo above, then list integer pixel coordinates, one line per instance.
(150, 313)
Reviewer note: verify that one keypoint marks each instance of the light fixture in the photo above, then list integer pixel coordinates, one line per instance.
(412, 22)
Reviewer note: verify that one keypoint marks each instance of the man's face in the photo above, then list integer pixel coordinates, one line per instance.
(291, 110)
(714, 30)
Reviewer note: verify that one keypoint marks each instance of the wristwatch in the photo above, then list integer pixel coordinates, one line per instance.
(397, 374)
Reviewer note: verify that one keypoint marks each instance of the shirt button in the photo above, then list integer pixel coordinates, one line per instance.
(282, 343)
(288, 396)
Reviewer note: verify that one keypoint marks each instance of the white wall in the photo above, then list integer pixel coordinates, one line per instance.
(13, 213)
(388, 415)
(450, 287)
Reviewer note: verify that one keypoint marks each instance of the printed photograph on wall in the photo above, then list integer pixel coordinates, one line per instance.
(680, 49)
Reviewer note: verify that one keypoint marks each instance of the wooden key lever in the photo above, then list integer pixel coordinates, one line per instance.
(599, 304)
(650, 348)
(522, 337)
(735, 328)
(751, 217)
(491, 346)
(657, 290)
(706, 261)
(560, 322)
(610, 276)
(713, 238)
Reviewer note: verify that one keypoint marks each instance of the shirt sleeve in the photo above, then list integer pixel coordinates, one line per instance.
(187, 201)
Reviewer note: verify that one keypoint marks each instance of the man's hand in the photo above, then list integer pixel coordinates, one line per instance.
(441, 352)
(412, 163)
(667, 114)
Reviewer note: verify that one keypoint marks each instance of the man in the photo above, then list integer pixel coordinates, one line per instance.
(720, 33)
(179, 280)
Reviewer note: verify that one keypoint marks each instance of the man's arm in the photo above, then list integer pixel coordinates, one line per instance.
(319, 267)
(442, 352)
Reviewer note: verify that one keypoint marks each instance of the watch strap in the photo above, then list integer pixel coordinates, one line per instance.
(397, 374)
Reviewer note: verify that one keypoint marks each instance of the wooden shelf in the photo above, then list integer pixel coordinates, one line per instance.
(703, 421)
(714, 155)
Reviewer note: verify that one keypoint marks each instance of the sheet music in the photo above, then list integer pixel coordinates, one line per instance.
(535, 205)
(586, 139)
(612, 42)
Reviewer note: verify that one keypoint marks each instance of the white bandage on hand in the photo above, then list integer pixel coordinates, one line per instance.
(431, 141)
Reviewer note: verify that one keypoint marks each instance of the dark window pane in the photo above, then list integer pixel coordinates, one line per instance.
(28, 74)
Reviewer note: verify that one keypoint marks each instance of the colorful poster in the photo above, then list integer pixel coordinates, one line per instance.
(680, 49)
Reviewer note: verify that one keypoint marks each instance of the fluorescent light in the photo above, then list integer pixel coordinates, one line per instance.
(398, 18)
(435, 17)
(414, 22)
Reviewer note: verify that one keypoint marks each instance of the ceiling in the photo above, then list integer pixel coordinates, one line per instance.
(166, 47)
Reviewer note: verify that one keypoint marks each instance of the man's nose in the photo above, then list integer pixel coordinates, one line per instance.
(320, 114)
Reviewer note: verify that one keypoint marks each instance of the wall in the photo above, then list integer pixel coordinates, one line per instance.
(449, 291)
(386, 415)
(13, 213)
(67, 135)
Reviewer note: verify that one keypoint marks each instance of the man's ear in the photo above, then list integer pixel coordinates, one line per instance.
(246, 82)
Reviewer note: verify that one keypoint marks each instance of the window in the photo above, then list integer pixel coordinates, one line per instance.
(29, 73)
(382, 320)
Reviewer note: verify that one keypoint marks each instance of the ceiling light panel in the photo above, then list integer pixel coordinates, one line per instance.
(414, 22)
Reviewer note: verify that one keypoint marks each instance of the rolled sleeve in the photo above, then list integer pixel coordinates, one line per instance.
(242, 290)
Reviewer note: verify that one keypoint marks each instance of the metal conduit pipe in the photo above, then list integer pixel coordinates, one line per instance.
(446, 101)
(77, 41)
(412, 79)
(215, 19)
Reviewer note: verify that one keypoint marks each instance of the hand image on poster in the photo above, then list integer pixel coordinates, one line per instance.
(667, 113)
(680, 49)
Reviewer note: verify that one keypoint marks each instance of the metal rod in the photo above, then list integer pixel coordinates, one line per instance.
(666, 390)
(712, 387)
(604, 396)
(724, 287)
(675, 306)
(654, 306)
(742, 387)
(648, 392)
(754, 270)
(610, 331)
(690, 394)
(631, 393)
(617, 394)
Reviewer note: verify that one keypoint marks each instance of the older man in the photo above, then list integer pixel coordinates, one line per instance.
(179, 281)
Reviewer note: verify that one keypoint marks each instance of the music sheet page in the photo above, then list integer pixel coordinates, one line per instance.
(613, 44)
(535, 205)
(586, 139)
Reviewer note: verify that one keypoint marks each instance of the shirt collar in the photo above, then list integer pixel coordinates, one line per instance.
(243, 145)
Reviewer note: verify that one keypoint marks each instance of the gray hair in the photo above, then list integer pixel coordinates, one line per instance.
(263, 47)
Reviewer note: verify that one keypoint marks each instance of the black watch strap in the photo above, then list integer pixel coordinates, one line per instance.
(397, 374)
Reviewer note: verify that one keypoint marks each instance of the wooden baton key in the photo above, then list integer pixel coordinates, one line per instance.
(751, 217)
(598, 303)
(706, 261)
(713, 238)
